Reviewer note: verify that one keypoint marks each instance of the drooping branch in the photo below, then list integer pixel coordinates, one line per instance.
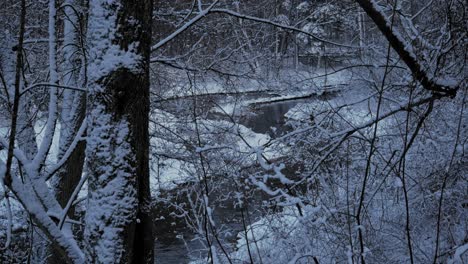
(404, 50)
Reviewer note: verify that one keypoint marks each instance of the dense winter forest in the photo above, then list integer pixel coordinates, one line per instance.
(247, 131)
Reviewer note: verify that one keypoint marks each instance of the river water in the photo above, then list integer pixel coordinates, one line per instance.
(269, 118)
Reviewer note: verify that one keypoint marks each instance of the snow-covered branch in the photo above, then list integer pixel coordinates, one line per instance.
(187, 25)
(405, 51)
(55, 85)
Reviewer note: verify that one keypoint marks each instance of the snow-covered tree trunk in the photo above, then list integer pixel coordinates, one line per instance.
(118, 223)
(72, 114)
(73, 105)
(31, 189)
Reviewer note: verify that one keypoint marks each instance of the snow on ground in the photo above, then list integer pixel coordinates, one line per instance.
(262, 241)
(209, 85)
(351, 108)
(285, 230)
(166, 173)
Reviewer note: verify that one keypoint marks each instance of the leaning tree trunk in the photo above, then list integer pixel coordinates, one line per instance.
(72, 115)
(118, 223)
(73, 107)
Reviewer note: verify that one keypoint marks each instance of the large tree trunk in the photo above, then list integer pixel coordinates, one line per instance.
(118, 223)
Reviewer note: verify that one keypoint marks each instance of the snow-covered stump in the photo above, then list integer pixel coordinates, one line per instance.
(118, 226)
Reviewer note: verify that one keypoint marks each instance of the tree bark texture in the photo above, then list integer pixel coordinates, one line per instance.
(118, 221)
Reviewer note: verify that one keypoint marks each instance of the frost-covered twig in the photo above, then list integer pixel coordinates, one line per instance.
(54, 85)
(208, 219)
